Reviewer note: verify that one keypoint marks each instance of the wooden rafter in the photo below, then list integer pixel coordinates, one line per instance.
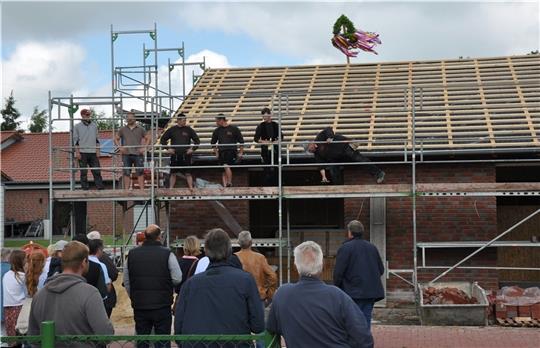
(304, 106)
(448, 116)
(484, 104)
(373, 107)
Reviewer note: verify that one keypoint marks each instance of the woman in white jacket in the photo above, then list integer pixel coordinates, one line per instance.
(14, 290)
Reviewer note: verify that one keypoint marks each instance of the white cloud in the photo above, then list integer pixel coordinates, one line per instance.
(34, 68)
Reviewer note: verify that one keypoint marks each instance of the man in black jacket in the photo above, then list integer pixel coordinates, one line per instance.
(181, 134)
(335, 148)
(359, 269)
(230, 154)
(150, 275)
(267, 132)
(222, 300)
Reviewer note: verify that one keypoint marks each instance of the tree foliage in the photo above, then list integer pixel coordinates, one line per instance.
(38, 121)
(10, 114)
(101, 123)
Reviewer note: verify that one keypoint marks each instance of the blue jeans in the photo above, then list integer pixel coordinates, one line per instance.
(366, 306)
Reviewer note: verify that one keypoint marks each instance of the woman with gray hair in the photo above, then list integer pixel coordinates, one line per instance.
(311, 313)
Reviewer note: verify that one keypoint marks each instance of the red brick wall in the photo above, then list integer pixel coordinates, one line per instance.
(24, 205)
(438, 219)
(196, 217)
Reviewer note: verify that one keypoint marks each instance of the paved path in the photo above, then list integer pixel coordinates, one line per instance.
(398, 336)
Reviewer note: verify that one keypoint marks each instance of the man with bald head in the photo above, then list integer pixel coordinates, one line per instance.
(150, 275)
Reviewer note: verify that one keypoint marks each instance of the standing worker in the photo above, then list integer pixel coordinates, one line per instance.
(181, 134)
(359, 269)
(132, 141)
(267, 133)
(87, 152)
(336, 148)
(228, 155)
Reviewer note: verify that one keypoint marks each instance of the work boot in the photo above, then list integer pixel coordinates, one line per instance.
(380, 177)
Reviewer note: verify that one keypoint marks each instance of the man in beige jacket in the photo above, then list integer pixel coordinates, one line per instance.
(256, 264)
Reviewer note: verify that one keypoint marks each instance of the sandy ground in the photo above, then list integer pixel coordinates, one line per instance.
(122, 314)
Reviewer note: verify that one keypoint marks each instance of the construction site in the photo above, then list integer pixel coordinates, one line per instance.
(458, 139)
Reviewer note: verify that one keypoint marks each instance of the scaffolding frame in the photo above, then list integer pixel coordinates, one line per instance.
(413, 149)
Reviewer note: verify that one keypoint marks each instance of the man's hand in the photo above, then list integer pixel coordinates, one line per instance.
(189, 152)
(98, 152)
(216, 152)
(78, 155)
(123, 150)
(141, 151)
(240, 154)
(171, 151)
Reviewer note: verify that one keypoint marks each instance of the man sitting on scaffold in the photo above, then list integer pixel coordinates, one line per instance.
(336, 148)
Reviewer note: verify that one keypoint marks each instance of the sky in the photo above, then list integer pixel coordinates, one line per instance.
(65, 47)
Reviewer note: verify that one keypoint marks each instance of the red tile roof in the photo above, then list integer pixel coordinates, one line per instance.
(27, 161)
(5, 135)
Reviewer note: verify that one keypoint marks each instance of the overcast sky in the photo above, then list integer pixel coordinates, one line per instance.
(65, 46)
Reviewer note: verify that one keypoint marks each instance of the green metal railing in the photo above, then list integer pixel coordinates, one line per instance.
(49, 339)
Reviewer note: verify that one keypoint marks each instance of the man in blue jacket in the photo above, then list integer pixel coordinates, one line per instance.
(359, 269)
(222, 300)
(311, 313)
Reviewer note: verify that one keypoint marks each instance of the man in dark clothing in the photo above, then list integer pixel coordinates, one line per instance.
(151, 273)
(87, 152)
(74, 306)
(94, 276)
(181, 156)
(112, 271)
(228, 155)
(313, 314)
(267, 132)
(359, 269)
(335, 148)
(223, 299)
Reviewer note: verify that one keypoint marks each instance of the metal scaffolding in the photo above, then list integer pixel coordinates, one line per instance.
(157, 103)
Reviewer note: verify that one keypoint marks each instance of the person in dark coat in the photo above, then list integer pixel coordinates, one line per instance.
(94, 276)
(223, 299)
(267, 133)
(231, 153)
(359, 269)
(150, 275)
(311, 313)
(330, 147)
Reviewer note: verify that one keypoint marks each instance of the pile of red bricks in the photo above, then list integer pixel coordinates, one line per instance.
(512, 302)
(446, 296)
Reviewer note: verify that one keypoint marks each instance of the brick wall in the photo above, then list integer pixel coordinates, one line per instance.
(29, 205)
(196, 217)
(438, 219)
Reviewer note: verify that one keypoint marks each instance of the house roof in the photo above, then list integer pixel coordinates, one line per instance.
(494, 101)
(27, 161)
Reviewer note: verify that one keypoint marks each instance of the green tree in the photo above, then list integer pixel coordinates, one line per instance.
(10, 115)
(102, 124)
(38, 121)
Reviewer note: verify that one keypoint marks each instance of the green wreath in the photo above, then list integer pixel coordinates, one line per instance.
(347, 25)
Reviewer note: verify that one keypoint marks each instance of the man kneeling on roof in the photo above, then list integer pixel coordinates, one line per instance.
(329, 147)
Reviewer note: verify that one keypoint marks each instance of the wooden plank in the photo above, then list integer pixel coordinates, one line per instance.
(448, 117)
(484, 103)
(340, 98)
(304, 106)
(241, 98)
(374, 106)
(522, 100)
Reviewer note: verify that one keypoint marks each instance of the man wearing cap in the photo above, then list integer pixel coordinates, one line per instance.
(86, 142)
(132, 140)
(359, 269)
(330, 147)
(267, 132)
(181, 156)
(112, 271)
(230, 154)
